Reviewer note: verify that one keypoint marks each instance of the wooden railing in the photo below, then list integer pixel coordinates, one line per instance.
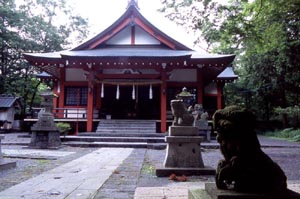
(72, 113)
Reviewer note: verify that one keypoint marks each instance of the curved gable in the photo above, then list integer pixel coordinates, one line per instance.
(132, 28)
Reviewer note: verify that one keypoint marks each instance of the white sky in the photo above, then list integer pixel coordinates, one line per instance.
(102, 13)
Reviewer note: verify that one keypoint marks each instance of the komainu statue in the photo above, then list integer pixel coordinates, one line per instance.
(181, 115)
(246, 168)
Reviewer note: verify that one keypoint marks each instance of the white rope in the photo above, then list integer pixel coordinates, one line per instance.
(102, 90)
(150, 92)
(133, 92)
(118, 92)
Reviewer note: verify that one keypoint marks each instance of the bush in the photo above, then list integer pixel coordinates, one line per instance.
(290, 134)
(63, 127)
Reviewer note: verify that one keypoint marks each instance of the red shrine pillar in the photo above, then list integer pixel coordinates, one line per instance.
(55, 91)
(90, 102)
(220, 86)
(61, 94)
(163, 102)
(200, 86)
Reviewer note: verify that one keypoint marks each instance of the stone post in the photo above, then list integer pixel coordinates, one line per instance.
(45, 133)
(5, 164)
(183, 155)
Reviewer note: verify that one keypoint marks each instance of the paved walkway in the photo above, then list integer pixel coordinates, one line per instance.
(35, 153)
(80, 178)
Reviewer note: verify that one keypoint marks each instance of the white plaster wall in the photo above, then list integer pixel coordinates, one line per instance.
(8, 115)
(183, 75)
(143, 38)
(122, 38)
(73, 74)
(211, 88)
(121, 71)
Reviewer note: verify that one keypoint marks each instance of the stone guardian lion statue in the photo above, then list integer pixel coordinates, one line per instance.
(181, 115)
(245, 167)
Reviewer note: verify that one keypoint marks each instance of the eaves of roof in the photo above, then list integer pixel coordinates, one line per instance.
(7, 101)
(128, 52)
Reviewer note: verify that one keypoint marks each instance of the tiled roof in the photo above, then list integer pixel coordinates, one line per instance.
(7, 101)
(227, 73)
(129, 52)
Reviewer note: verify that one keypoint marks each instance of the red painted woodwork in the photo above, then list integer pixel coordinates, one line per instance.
(163, 103)
(208, 67)
(200, 87)
(132, 35)
(152, 32)
(113, 32)
(220, 95)
(128, 76)
(61, 95)
(90, 102)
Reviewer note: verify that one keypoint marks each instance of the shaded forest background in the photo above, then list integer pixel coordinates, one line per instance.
(33, 26)
(264, 34)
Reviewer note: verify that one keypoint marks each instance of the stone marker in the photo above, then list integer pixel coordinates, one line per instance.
(45, 133)
(183, 155)
(3, 163)
(200, 121)
(246, 171)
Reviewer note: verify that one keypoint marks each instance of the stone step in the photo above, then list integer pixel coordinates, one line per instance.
(137, 128)
(126, 126)
(124, 131)
(126, 120)
(116, 134)
(113, 139)
(121, 122)
(156, 146)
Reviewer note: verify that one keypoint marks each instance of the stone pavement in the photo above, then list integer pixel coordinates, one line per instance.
(35, 153)
(161, 192)
(80, 178)
(117, 173)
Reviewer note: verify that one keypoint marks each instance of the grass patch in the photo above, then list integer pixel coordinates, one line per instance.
(289, 134)
(148, 169)
(42, 161)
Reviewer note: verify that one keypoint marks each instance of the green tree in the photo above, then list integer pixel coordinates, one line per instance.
(264, 34)
(32, 26)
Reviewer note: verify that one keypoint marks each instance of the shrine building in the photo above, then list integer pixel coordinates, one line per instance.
(132, 70)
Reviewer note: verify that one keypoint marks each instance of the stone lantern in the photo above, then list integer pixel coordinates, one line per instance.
(185, 96)
(45, 133)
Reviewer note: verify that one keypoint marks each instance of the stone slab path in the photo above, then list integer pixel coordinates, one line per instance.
(35, 153)
(80, 178)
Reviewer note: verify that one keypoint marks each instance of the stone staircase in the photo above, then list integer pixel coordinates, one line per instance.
(120, 133)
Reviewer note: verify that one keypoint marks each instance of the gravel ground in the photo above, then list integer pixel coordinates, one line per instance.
(138, 170)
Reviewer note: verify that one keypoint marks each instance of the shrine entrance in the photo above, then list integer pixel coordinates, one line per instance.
(126, 102)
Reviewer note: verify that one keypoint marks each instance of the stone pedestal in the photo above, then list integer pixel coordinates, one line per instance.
(5, 164)
(45, 133)
(183, 155)
(214, 193)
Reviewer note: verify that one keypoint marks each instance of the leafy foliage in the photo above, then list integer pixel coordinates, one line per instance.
(292, 114)
(63, 127)
(265, 36)
(32, 27)
(290, 134)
